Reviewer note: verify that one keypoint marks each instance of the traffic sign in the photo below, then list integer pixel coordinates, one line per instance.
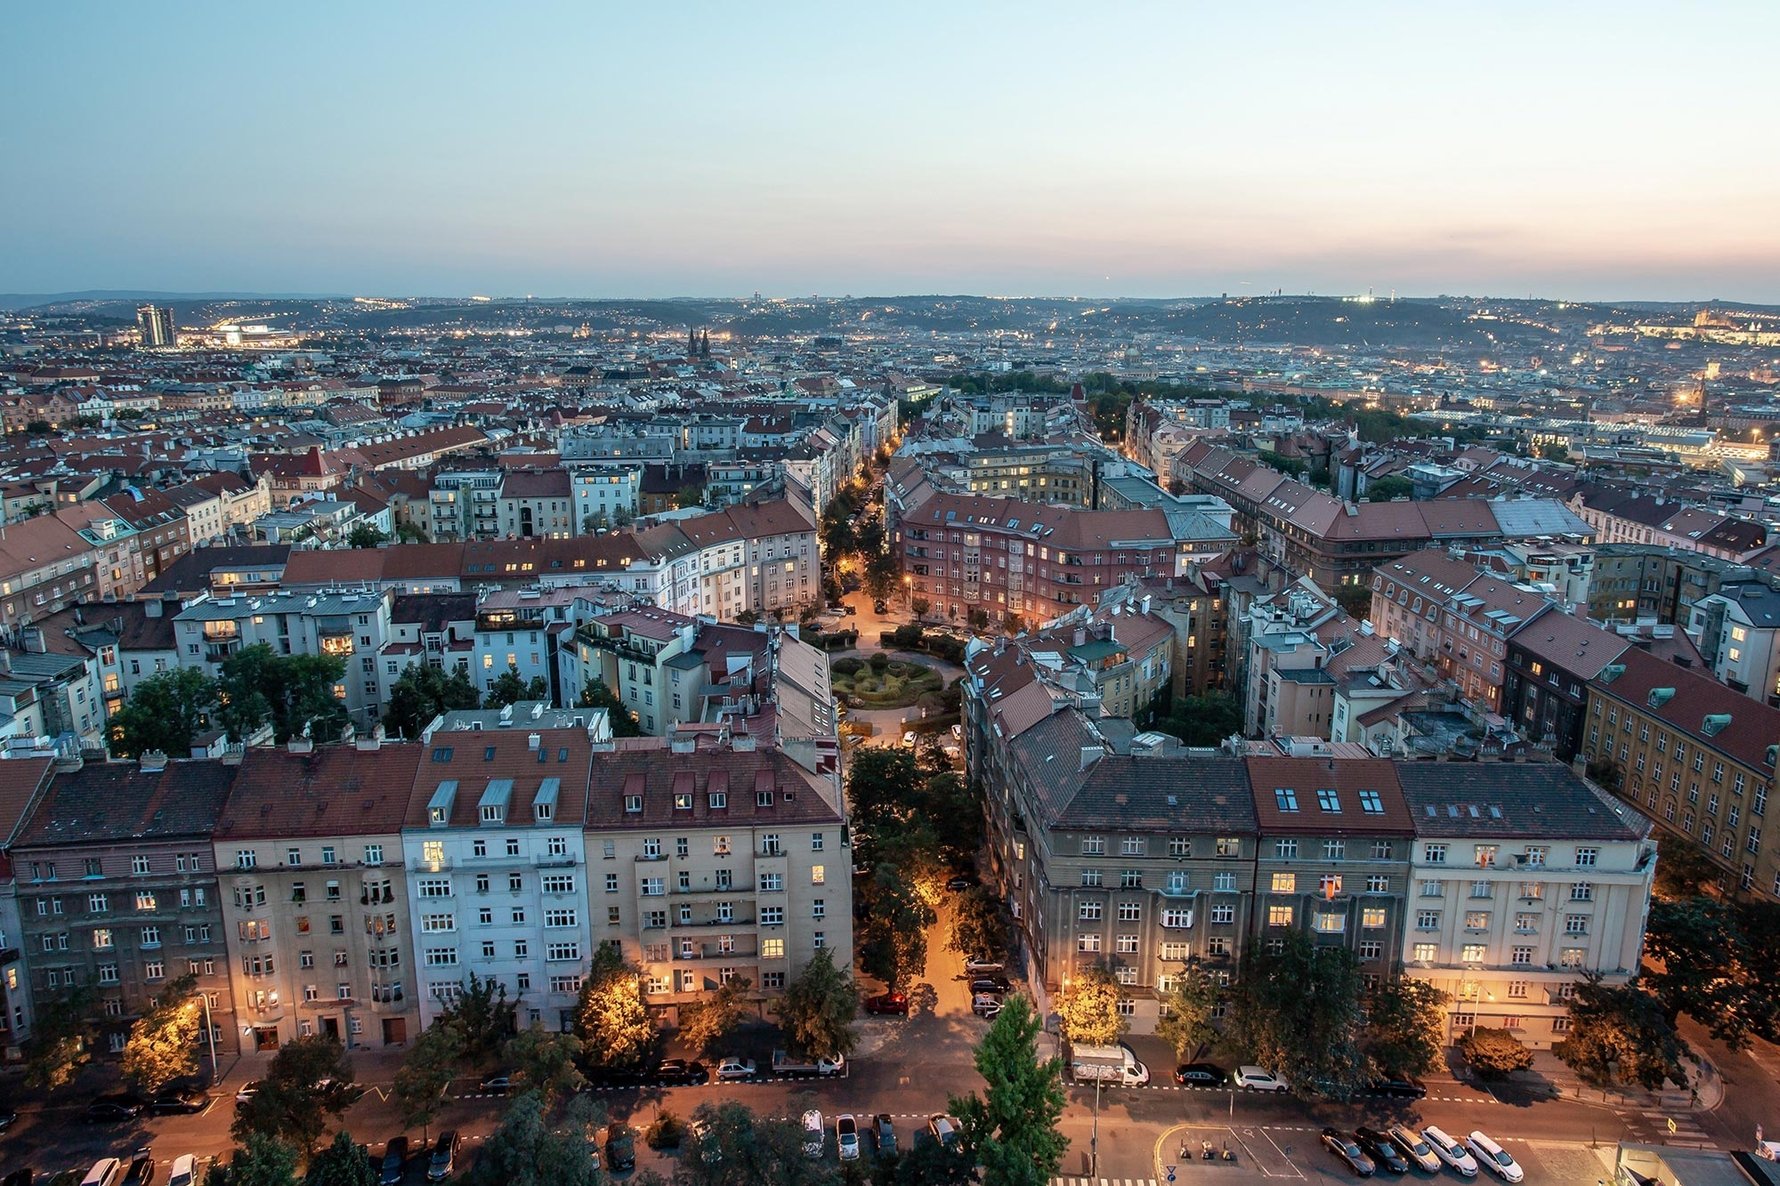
(1171, 1173)
(1671, 1126)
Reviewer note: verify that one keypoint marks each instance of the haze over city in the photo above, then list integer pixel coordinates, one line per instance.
(1586, 152)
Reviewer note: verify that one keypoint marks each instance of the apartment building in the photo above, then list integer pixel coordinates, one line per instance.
(45, 566)
(314, 897)
(1737, 631)
(1638, 582)
(536, 504)
(1550, 664)
(1694, 756)
(23, 779)
(494, 850)
(1525, 880)
(117, 889)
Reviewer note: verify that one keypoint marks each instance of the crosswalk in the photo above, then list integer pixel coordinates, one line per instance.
(1651, 1126)
(1103, 1182)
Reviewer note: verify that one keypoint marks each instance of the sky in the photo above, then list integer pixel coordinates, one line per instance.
(1578, 150)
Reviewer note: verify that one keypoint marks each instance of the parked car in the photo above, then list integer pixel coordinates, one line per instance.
(1451, 1152)
(105, 1172)
(179, 1099)
(986, 1004)
(960, 881)
(958, 732)
(118, 1105)
(886, 1003)
(735, 1068)
(846, 1136)
(8, 1116)
(1201, 1074)
(245, 1093)
(1259, 1079)
(989, 982)
(1415, 1147)
(813, 1136)
(943, 1129)
(395, 1160)
(619, 1076)
(1405, 1087)
(142, 1168)
(499, 1084)
(885, 1132)
(621, 1147)
(184, 1171)
(1348, 1150)
(444, 1158)
(1500, 1162)
(908, 739)
(680, 1072)
(980, 965)
(1383, 1153)
(880, 607)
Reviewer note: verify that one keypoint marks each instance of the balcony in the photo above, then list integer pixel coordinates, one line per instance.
(702, 952)
(714, 922)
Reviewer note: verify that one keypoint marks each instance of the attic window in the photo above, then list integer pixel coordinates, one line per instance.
(1715, 723)
(562, 755)
(763, 798)
(1328, 800)
(1286, 797)
(488, 754)
(1371, 803)
(442, 754)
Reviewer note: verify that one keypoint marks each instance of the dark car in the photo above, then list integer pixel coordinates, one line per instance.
(1201, 1074)
(1379, 1148)
(678, 1072)
(621, 1147)
(880, 607)
(444, 1158)
(499, 1084)
(177, 1099)
(885, 1132)
(142, 1168)
(109, 1109)
(1403, 1088)
(888, 1003)
(1348, 1150)
(7, 1117)
(988, 983)
(395, 1160)
(960, 881)
(619, 1076)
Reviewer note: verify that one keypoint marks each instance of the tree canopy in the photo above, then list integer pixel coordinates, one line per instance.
(1189, 1002)
(818, 1008)
(526, 1151)
(309, 1079)
(1405, 1026)
(893, 934)
(1014, 1124)
(423, 692)
(344, 1162)
(598, 694)
(1088, 1007)
(612, 1021)
(1494, 1053)
(162, 1045)
(293, 692)
(510, 689)
(1297, 1011)
(1203, 720)
(164, 712)
(1620, 1033)
(705, 1023)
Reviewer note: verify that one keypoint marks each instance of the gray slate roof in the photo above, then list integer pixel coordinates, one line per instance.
(1509, 801)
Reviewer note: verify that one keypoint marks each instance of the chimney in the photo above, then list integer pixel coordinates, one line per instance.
(152, 761)
(300, 745)
(1090, 755)
(31, 640)
(1081, 635)
(371, 741)
(533, 741)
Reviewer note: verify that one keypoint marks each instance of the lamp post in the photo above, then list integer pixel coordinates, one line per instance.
(1094, 1139)
(209, 1032)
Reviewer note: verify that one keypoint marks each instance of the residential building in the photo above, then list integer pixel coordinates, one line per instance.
(1738, 632)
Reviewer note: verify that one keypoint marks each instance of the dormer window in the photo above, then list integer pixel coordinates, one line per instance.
(491, 813)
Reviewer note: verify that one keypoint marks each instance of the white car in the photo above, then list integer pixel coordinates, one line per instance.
(184, 1171)
(813, 1136)
(1500, 1162)
(735, 1068)
(1450, 1151)
(247, 1092)
(1259, 1079)
(908, 739)
(846, 1136)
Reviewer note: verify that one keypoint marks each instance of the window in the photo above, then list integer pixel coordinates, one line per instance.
(1328, 800)
(1229, 846)
(98, 903)
(815, 842)
(139, 865)
(1486, 855)
(1223, 883)
(1477, 920)
(373, 854)
(1285, 883)
(1222, 915)
(440, 957)
(1427, 920)
(1089, 911)
(1093, 845)
(772, 883)
(1133, 846)
(818, 874)
(1425, 953)
(1180, 846)
(1130, 879)
(772, 916)
(1585, 857)
(515, 883)
(1571, 957)
(1371, 949)
(1177, 918)
(151, 936)
(1434, 854)
(1370, 803)
(1334, 850)
(1378, 883)
(1091, 878)
(1526, 924)
(559, 918)
(1329, 884)
(1286, 797)
(1582, 891)
(558, 952)
(102, 939)
(1575, 924)
(1089, 942)
(1130, 911)
(1285, 850)
(1520, 957)
(1279, 916)
(1372, 917)
(1472, 953)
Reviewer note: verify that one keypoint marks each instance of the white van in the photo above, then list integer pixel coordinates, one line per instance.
(105, 1172)
(1111, 1065)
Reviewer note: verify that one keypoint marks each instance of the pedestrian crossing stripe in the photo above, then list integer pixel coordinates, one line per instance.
(1103, 1182)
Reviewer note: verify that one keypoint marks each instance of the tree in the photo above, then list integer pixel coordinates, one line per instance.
(689, 496)
(1494, 1053)
(818, 1008)
(1355, 600)
(344, 1162)
(1697, 954)
(309, 1078)
(364, 535)
(294, 692)
(164, 713)
(705, 1023)
(162, 1045)
(261, 1161)
(510, 689)
(421, 693)
(1405, 1026)
(893, 935)
(426, 1071)
(545, 1062)
(38, 427)
(59, 1044)
(598, 694)
(1620, 1033)
(1554, 452)
(1204, 720)
(1089, 1007)
(1297, 1011)
(525, 1151)
(1387, 488)
(734, 1147)
(612, 1022)
(1683, 870)
(1190, 999)
(1015, 1130)
(980, 924)
(483, 1017)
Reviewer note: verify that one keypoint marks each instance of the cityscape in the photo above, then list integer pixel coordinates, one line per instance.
(1147, 700)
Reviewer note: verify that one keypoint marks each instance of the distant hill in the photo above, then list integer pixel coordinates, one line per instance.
(33, 300)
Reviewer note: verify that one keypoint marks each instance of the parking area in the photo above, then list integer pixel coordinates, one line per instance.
(1294, 1153)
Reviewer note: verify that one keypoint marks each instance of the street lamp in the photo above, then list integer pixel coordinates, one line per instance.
(209, 1032)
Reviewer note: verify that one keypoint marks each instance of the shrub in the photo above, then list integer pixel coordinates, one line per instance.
(667, 1132)
(1494, 1053)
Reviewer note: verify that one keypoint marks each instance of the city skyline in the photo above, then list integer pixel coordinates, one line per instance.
(1592, 154)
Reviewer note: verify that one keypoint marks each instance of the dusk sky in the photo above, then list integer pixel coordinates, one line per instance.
(1615, 150)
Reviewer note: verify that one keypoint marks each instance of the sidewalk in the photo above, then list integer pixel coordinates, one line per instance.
(1549, 1073)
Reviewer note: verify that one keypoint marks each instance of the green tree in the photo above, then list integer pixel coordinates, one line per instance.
(598, 694)
(980, 924)
(1696, 954)
(689, 496)
(1203, 720)
(162, 1045)
(817, 1010)
(526, 1151)
(1088, 1007)
(510, 689)
(705, 1023)
(612, 1021)
(1297, 1011)
(1494, 1053)
(309, 1079)
(294, 692)
(60, 1042)
(1405, 1026)
(364, 535)
(545, 1062)
(164, 713)
(1387, 488)
(1683, 870)
(1355, 600)
(1015, 1121)
(423, 692)
(426, 1071)
(1554, 452)
(1190, 999)
(734, 1147)
(1620, 1033)
(38, 427)
(483, 1018)
(344, 1162)
(261, 1161)
(893, 936)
